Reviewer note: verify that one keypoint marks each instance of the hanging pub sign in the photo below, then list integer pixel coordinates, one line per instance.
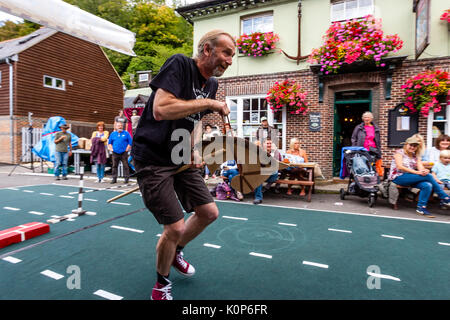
(314, 121)
(422, 10)
(402, 125)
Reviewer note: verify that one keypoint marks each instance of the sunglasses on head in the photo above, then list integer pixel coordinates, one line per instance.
(414, 145)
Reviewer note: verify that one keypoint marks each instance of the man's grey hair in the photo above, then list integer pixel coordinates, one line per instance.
(211, 38)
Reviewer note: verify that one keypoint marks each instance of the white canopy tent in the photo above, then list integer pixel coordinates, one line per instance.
(61, 16)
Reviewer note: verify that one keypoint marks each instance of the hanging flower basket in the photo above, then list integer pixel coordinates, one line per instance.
(289, 93)
(423, 90)
(446, 17)
(352, 40)
(257, 44)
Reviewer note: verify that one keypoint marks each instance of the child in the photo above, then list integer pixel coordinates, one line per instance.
(229, 171)
(441, 169)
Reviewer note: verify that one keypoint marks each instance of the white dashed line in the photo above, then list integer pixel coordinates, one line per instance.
(339, 230)
(107, 295)
(392, 237)
(234, 218)
(262, 255)
(444, 244)
(287, 224)
(52, 274)
(383, 276)
(12, 259)
(314, 264)
(122, 203)
(68, 197)
(36, 213)
(91, 213)
(94, 200)
(128, 229)
(11, 208)
(215, 246)
(28, 191)
(46, 194)
(15, 189)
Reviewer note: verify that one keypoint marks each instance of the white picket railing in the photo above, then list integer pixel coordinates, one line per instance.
(27, 143)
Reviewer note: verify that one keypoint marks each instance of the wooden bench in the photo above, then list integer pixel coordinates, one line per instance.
(309, 182)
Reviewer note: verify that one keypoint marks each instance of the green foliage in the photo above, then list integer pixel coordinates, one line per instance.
(11, 30)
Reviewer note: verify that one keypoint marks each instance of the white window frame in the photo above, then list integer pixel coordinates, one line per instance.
(53, 85)
(431, 121)
(265, 14)
(270, 117)
(358, 13)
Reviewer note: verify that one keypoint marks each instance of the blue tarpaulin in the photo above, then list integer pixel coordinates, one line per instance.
(45, 148)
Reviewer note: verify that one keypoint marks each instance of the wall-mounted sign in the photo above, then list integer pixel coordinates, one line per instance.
(402, 125)
(422, 9)
(314, 121)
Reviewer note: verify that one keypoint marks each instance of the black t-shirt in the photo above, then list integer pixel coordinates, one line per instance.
(180, 76)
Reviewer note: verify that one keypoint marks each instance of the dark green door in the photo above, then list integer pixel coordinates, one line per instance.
(348, 109)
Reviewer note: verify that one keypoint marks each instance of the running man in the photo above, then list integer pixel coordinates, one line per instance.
(183, 92)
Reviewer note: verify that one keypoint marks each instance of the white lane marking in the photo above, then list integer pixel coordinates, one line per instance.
(262, 255)
(94, 200)
(315, 264)
(158, 235)
(287, 224)
(107, 295)
(29, 191)
(15, 189)
(383, 276)
(444, 243)
(56, 216)
(12, 259)
(11, 208)
(91, 213)
(128, 229)
(36, 213)
(46, 194)
(339, 230)
(392, 237)
(215, 246)
(122, 203)
(234, 218)
(52, 274)
(68, 197)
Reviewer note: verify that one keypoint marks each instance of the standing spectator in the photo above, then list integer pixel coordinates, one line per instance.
(367, 135)
(119, 143)
(207, 135)
(99, 143)
(134, 121)
(120, 119)
(271, 151)
(433, 154)
(407, 170)
(63, 142)
(266, 132)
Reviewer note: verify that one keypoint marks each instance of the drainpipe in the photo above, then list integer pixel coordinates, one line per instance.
(11, 121)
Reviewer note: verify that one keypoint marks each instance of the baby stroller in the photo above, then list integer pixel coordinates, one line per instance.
(358, 164)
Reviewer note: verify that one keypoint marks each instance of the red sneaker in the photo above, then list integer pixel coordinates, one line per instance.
(182, 266)
(162, 292)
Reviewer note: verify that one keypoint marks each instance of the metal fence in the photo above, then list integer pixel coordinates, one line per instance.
(29, 140)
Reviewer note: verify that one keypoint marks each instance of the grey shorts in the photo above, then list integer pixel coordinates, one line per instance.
(162, 191)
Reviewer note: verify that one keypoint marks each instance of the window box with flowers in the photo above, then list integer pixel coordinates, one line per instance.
(257, 44)
(424, 91)
(354, 40)
(287, 93)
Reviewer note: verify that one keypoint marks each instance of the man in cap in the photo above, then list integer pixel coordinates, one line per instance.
(63, 150)
(265, 132)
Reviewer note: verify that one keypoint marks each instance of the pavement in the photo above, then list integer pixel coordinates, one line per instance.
(325, 198)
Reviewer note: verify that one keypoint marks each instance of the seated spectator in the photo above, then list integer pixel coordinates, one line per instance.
(228, 172)
(270, 149)
(294, 155)
(407, 170)
(441, 169)
(432, 155)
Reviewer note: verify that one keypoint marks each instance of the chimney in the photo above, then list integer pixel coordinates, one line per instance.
(144, 78)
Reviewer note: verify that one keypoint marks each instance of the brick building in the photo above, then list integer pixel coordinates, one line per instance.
(339, 99)
(50, 73)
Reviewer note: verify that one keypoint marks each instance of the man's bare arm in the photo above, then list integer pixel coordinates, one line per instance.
(167, 107)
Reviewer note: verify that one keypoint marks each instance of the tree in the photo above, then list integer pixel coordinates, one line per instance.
(11, 30)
